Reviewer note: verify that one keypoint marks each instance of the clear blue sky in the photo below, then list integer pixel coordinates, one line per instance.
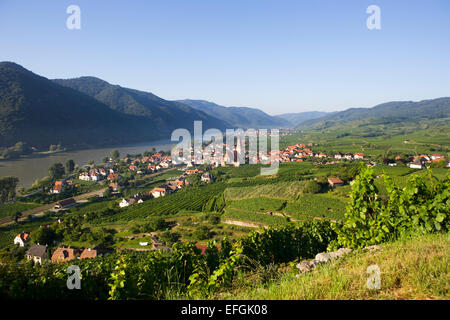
(280, 56)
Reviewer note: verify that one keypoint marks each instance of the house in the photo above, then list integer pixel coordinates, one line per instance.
(64, 254)
(113, 177)
(348, 156)
(84, 176)
(435, 156)
(114, 186)
(66, 203)
(335, 182)
(57, 188)
(90, 253)
(161, 191)
(206, 177)
(359, 156)
(416, 164)
(37, 253)
(124, 203)
(338, 155)
(165, 164)
(135, 199)
(22, 238)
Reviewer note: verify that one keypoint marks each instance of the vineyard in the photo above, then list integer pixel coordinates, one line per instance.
(318, 205)
(191, 199)
(11, 208)
(279, 190)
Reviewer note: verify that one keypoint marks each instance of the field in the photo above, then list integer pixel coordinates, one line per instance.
(317, 205)
(11, 208)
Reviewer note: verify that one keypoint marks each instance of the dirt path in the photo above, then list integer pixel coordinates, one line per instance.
(244, 223)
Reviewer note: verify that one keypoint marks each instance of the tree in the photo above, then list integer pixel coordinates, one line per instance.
(312, 187)
(169, 238)
(16, 215)
(8, 188)
(202, 233)
(105, 159)
(107, 193)
(115, 155)
(43, 236)
(91, 162)
(70, 165)
(56, 171)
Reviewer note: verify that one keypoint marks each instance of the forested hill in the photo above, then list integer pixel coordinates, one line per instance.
(395, 111)
(163, 114)
(243, 117)
(40, 112)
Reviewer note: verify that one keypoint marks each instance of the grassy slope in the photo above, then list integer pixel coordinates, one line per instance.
(410, 269)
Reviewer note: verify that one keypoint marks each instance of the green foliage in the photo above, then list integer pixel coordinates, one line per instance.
(70, 165)
(421, 207)
(8, 188)
(115, 155)
(287, 243)
(56, 171)
(43, 235)
(312, 187)
(202, 233)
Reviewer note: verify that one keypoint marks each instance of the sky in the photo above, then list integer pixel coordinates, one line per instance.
(280, 56)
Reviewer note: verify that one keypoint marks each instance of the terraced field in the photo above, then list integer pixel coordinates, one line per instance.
(10, 208)
(281, 190)
(317, 205)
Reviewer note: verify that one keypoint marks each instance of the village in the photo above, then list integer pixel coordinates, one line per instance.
(113, 175)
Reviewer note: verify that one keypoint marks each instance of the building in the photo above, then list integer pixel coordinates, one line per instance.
(66, 203)
(22, 238)
(161, 191)
(335, 182)
(57, 188)
(64, 254)
(416, 164)
(206, 177)
(90, 253)
(435, 156)
(37, 253)
(133, 200)
(358, 156)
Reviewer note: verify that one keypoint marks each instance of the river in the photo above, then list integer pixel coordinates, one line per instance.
(34, 167)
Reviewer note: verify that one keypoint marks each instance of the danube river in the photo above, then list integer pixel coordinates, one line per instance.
(36, 166)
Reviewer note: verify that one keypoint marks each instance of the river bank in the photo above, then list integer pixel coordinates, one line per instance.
(35, 166)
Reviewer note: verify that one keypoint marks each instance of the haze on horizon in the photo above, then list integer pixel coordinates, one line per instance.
(281, 57)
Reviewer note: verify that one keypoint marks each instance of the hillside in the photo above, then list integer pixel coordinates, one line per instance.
(296, 118)
(38, 111)
(389, 112)
(85, 112)
(163, 115)
(243, 117)
(410, 269)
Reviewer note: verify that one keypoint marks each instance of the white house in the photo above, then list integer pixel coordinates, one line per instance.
(416, 165)
(22, 238)
(124, 203)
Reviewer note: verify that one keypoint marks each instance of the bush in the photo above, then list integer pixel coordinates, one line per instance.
(202, 233)
(421, 207)
(312, 187)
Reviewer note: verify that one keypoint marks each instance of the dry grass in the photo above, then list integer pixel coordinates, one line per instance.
(410, 269)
